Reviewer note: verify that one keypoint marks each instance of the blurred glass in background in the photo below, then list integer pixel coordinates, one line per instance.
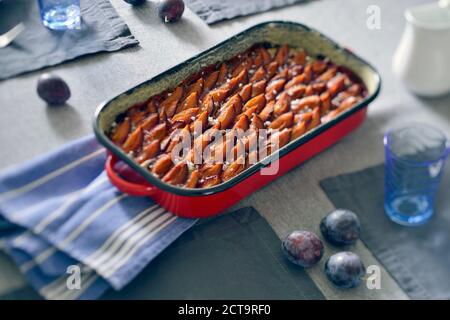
(60, 14)
(415, 157)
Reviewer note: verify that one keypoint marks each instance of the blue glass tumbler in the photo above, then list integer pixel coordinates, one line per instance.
(415, 157)
(60, 14)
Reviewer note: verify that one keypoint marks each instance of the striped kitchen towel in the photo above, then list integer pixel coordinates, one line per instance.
(72, 233)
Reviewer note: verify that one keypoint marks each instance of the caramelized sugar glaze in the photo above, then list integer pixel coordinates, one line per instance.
(281, 90)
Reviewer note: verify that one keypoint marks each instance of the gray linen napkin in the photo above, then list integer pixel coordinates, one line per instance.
(216, 10)
(37, 47)
(417, 257)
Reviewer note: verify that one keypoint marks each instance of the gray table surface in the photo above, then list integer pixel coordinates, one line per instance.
(295, 201)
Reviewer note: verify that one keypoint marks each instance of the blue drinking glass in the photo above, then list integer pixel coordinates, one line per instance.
(60, 14)
(415, 157)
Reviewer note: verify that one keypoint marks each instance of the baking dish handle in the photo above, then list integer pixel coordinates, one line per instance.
(135, 189)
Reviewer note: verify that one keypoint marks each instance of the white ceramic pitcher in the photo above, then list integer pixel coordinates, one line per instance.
(422, 59)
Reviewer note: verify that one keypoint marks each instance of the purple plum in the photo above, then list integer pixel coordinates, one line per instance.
(303, 248)
(345, 269)
(52, 89)
(170, 10)
(341, 227)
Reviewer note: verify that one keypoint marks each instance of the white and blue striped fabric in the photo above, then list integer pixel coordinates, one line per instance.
(63, 211)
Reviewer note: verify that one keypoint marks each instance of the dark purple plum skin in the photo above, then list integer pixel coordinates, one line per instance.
(341, 227)
(345, 269)
(52, 89)
(170, 10)
(303, 248)
(135, 2)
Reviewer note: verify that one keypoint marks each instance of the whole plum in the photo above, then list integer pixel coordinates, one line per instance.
(52, 89)
(303, 248)
(170, 10)
(341, 227)
(345, 269)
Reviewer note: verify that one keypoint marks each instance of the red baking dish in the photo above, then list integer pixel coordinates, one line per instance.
(205, 202)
